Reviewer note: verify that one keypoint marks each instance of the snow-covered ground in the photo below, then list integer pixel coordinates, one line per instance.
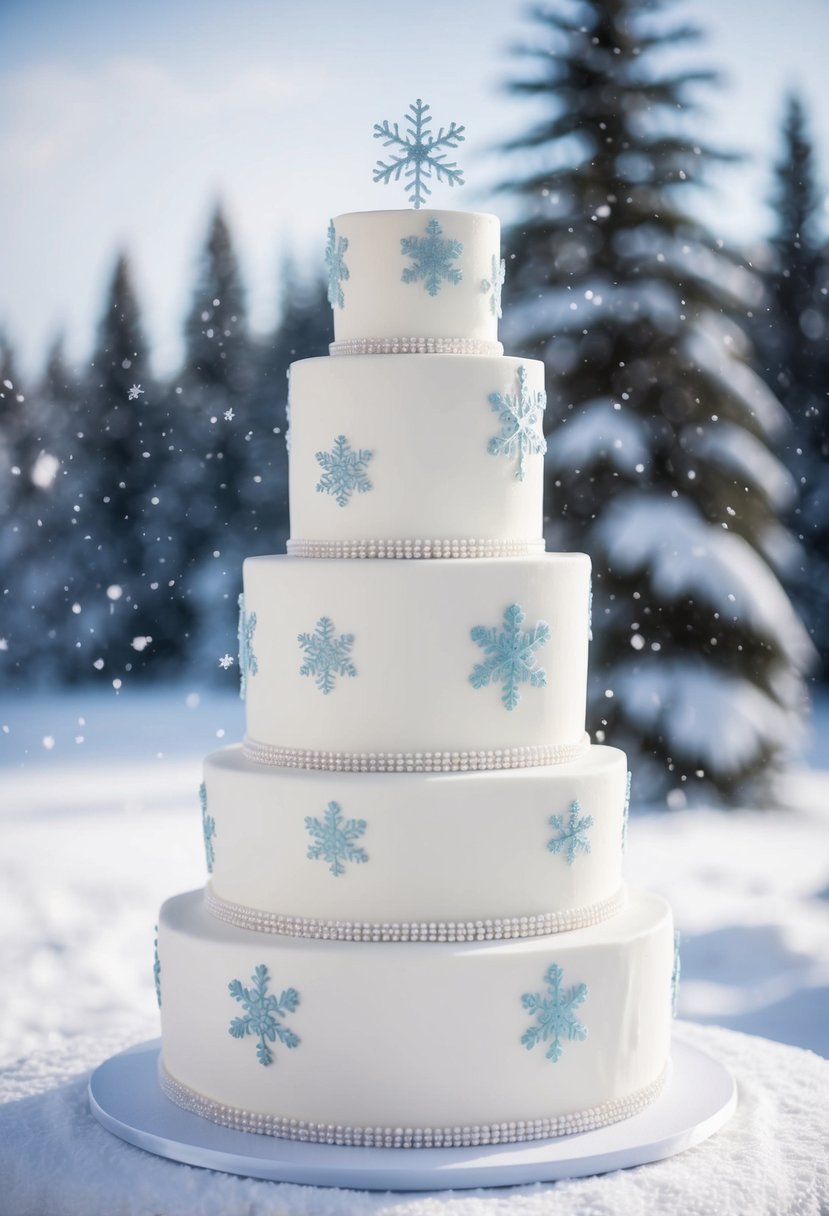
(100, 823)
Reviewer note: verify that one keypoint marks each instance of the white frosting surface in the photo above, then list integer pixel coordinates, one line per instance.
(377, 303)
(412, 652)
(439, 847)
(417, 1035)
(427, 422)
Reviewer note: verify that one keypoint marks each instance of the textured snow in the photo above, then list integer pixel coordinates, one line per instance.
(735, 450)
(599, 427)
(709, 346)
(97, 834)
(687, 558)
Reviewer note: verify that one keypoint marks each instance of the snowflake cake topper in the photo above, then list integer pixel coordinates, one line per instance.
(418, 154)
(334, 839)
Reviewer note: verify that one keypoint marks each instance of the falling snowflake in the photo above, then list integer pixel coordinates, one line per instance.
(520, 418)
(675, 973)
(335, 838)
(229, 415)
(626, 810)
(572, 838)
(335, 250)
(156, 969)
(432, 256)
(226, 661)
(344, 471)
(263, 1014)
(494, 284)
(326, 656)
(419, 153)
(135, 392)
(554, 1010)
(4, 643)
(208, 824)
(510, 656)
(248, 663)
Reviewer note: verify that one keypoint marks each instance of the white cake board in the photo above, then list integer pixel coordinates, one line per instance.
(125, 1098)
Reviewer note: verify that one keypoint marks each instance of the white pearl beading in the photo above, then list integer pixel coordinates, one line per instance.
(413, 762)
(497, 929)
(414, 548)
(410, 1137)
(416, 345)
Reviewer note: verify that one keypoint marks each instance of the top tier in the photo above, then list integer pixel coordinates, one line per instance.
(415, 280)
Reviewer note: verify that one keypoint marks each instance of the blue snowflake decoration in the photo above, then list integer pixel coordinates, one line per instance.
(572, 836)
(510, 656)
(520, 417)
(335, 249)
(156, 969)
(344, 471)
(335, 837)
(590, 610)
(248, 663)
(208, 827)
(288, 414)
(326, 655)
(432, 256)
(263, 1013)
(419, 153)
(675, 973)
(494, 284)
(554, 1010)
(626, 810)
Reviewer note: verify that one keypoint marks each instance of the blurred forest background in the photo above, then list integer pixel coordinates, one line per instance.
(688, 422)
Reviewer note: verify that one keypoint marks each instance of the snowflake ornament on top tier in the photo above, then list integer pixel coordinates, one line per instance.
(248, 662)
(510, 656)
(520, 417)
(556, 1020)
(326, 655)
(344, 471)
(334, 839)
(432, 256)
(572, 836)
(335, 250)
(418, 154)
(262, 1014)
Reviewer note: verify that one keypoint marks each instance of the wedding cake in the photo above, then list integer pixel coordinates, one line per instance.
(415, 930)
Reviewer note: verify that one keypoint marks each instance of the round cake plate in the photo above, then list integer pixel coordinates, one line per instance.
(126, 1099)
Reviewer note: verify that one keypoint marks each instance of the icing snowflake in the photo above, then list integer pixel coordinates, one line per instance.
(344, 471)
(510, 656)
(263, 1012)
(335, 249)
(156, 969)
(494, 284)
(556, 1020)
(626, 810)
(520, 419)
(208, 826)
(419, 153)
(572, 837)
(135, 392)
(432, 256)
(288, 413)
(335, 838)
(248, 663)
(590, 611)
(326, 656)
(675, 973)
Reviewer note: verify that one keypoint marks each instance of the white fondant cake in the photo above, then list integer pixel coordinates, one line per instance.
(415, 931)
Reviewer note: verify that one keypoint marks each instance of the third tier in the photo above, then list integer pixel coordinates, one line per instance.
(474, 663)
(412, 456)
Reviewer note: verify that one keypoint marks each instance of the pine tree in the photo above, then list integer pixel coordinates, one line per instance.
(794, 342)
(659, 462)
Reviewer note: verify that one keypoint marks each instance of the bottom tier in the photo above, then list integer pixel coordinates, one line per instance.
(415, 1044)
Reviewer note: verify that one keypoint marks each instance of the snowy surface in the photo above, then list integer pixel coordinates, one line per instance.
(97, 833)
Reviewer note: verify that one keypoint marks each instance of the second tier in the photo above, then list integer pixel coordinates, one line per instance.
(413, 666)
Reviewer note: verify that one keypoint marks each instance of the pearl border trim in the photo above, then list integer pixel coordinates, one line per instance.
(498, 929)
(414, 345)
(413, 762)
(410, 1137)
(407, 548)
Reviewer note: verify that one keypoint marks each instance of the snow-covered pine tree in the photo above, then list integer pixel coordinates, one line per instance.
(659, 462)
(793, 342)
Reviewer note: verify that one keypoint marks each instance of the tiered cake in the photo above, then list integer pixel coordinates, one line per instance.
(415, 930)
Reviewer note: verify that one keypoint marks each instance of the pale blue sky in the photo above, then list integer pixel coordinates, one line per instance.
(120, 123)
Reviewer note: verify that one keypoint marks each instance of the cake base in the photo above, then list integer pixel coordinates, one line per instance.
(125, 1098)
